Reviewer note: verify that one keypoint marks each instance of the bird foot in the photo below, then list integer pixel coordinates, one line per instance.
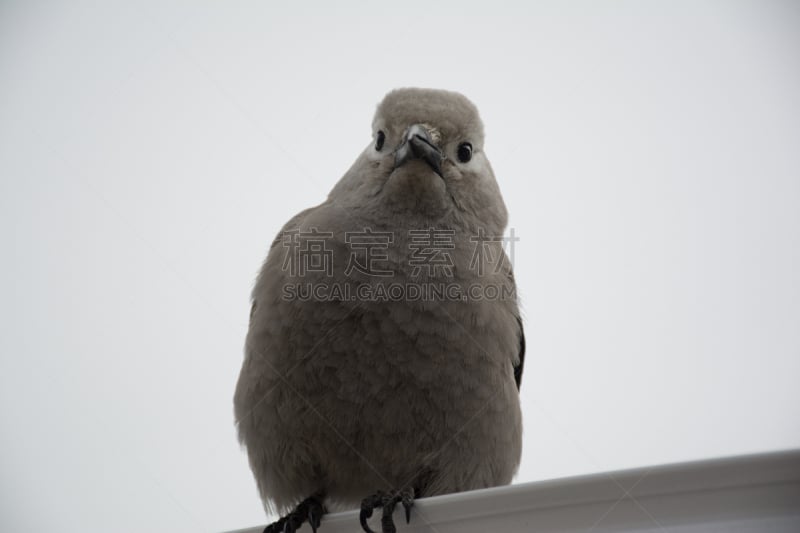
(387, 501)
(310, 510)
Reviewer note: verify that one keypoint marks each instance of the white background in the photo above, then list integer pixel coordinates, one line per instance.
(649, 155)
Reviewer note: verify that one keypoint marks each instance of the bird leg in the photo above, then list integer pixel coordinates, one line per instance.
(310, 509)
(387, 501)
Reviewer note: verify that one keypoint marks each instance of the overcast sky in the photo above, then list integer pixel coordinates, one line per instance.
(648, 152)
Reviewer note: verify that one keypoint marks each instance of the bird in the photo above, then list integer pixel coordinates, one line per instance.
(385, 349)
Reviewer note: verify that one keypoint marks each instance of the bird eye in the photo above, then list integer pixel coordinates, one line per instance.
(464, 152)
(379, 141)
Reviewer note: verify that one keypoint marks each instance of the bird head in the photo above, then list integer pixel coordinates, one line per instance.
(426, 159)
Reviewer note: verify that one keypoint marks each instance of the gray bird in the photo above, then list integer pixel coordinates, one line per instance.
(385, 350)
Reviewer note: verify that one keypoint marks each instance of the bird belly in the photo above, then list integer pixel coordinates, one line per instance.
(383, 401)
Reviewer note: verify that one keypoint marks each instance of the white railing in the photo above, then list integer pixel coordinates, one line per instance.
(756, 493)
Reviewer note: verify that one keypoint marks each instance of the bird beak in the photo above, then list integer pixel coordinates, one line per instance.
(418, 145)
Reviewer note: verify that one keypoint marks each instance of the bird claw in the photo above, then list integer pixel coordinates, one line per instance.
(310, 510)
(368, 504)
(387, 501)
(315, 517)
(275, 527)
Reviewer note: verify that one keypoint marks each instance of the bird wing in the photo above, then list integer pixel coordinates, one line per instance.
(293, 224)
(518, 367)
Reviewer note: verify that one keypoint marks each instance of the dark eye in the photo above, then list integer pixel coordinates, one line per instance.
(464, 152)
(379, 141)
